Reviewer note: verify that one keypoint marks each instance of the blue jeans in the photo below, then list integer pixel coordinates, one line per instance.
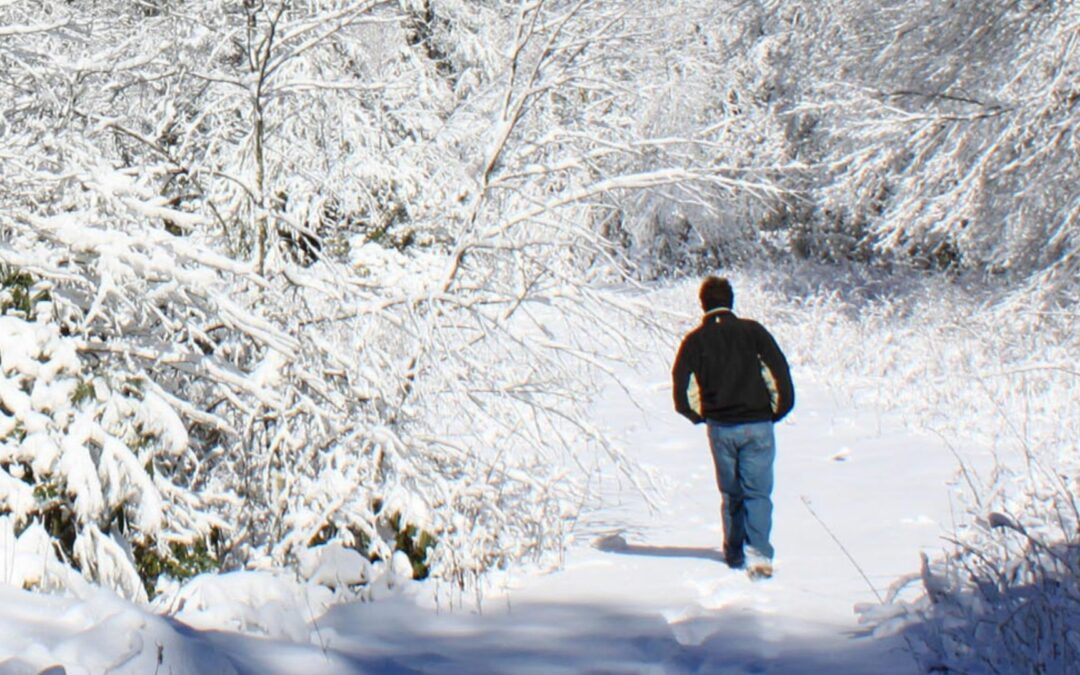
(744, 454)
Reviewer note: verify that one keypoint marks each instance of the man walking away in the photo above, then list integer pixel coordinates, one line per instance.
(730, 374)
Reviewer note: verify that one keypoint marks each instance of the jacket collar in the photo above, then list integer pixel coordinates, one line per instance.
(719, 311)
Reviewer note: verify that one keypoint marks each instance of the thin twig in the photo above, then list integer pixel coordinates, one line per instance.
(806, 501)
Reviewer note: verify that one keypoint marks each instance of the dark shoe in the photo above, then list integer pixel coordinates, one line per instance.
(734, 557)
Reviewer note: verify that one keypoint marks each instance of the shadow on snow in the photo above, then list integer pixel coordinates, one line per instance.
(395, 637)
(669, 552)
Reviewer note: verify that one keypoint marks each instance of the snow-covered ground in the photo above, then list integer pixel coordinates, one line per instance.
(642, 588)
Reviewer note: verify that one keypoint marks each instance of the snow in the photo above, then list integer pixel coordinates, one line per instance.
(333, 565)
(642, 590)
(158, 418)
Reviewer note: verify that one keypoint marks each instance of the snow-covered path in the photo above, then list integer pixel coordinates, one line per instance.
(663, 603)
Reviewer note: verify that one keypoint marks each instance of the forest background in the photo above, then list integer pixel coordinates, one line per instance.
(286, 282)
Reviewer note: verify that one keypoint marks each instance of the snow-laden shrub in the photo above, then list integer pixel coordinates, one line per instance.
(346, 267)
(87, 468)
(1004, 601)
(297, 414)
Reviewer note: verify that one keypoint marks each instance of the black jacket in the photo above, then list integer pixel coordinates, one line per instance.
(731, 370)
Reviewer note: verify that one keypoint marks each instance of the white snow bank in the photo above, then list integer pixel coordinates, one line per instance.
(269, 604)
(97, 634)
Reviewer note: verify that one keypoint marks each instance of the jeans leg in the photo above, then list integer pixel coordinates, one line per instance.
(756, 456)
(725, 452)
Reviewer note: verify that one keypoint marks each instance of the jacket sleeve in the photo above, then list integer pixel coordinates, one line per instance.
(681, 375)
(776, 369)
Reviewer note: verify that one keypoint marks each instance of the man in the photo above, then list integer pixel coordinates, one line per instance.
(730, 374)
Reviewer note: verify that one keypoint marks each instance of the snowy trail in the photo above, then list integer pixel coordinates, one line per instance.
(663, 603)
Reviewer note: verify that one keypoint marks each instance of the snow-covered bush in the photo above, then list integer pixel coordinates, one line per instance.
(88, 469)
(334, 253)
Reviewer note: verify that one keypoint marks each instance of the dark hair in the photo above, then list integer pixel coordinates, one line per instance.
(716, 292)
